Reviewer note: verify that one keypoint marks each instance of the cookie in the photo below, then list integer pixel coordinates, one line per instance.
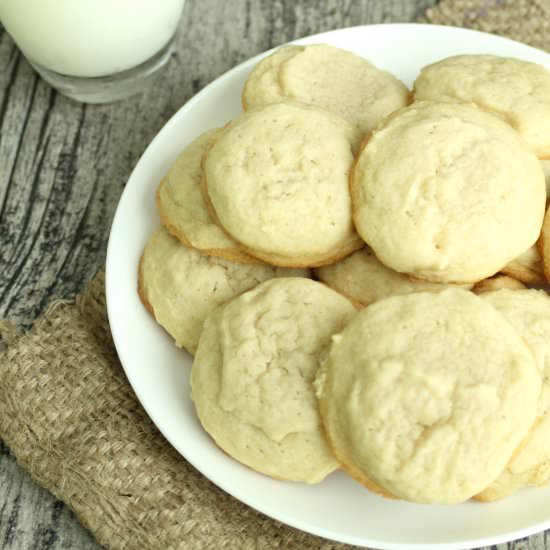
(364, 278)
(179, 286)
(277, 181)
(447, 193)
(516, 90)
(544, 245)
(546, 169)
(428, 395)
(251, 381)
(262, 87)
(327, 77)
(182, 209)
(497, 282)
(527, 267)
(529, 313)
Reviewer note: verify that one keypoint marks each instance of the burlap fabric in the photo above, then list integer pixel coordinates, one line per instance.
(71, 419)
(523, 20)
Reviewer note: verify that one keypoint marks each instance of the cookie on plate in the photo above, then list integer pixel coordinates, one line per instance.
(262, 87)
(447, 193)
(182, 209)
(516, 90)
(544, 245)
(546, 169)
(428, 395)
(527, 267)
(252, 377)
(179, 286)
(364, 278)
(498, 282)
(277, 181)
(330, 78)
(529, 313)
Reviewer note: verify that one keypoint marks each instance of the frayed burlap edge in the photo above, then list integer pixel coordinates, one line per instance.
(72, 421)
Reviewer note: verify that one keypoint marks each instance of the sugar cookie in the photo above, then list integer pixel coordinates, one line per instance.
(527, 267)
(180, 287)
(364, 278)
(544, 245)
(277, 181)
(183, 211)
(516, 90)
(497, 282)
(428, 395)
(262, 86)
(252, 377)
(529, 313)
(330, 78)
(546, 169)
(344, 83)
(447, 193)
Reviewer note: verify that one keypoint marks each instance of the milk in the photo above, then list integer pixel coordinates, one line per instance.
(90, 38)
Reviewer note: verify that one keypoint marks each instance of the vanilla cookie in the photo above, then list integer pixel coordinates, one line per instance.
(527, 267)
(544, 245)
(262, 86)
(516, 90)
(179, 286)
(546, 169)
(277, 181)
(182, 209)
(252, 377)
(447, 193)
(498, 282)
(364, 278)
(428, 395)
(342, 82)
(529, 313)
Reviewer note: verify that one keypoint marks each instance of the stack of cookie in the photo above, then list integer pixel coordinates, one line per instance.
(347, 259)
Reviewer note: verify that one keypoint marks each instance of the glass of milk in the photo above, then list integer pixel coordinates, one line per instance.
(94, 50)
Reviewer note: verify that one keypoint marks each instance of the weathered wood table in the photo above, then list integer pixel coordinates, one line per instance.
(63, 166)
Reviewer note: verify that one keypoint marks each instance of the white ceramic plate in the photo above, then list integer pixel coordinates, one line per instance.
(338, 508)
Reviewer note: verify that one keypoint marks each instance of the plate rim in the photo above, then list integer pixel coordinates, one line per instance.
(110, 291)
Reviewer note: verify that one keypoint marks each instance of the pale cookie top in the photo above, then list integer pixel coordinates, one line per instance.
(529, 313)
(428, 395)
(252, 377)
(364, 278)
(342, 82)
(180, 286)
(517, 90)
(262, 86)
(182, 208)
(447, 192)
(277, 181)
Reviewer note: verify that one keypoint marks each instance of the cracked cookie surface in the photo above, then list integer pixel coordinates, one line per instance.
(179, 286)
(447, 193)
(277, 181)
(516, 90)
(428, 395)
(252, 376)
(529, 312)
(262, 87)
(327, 77)
(183, 211)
